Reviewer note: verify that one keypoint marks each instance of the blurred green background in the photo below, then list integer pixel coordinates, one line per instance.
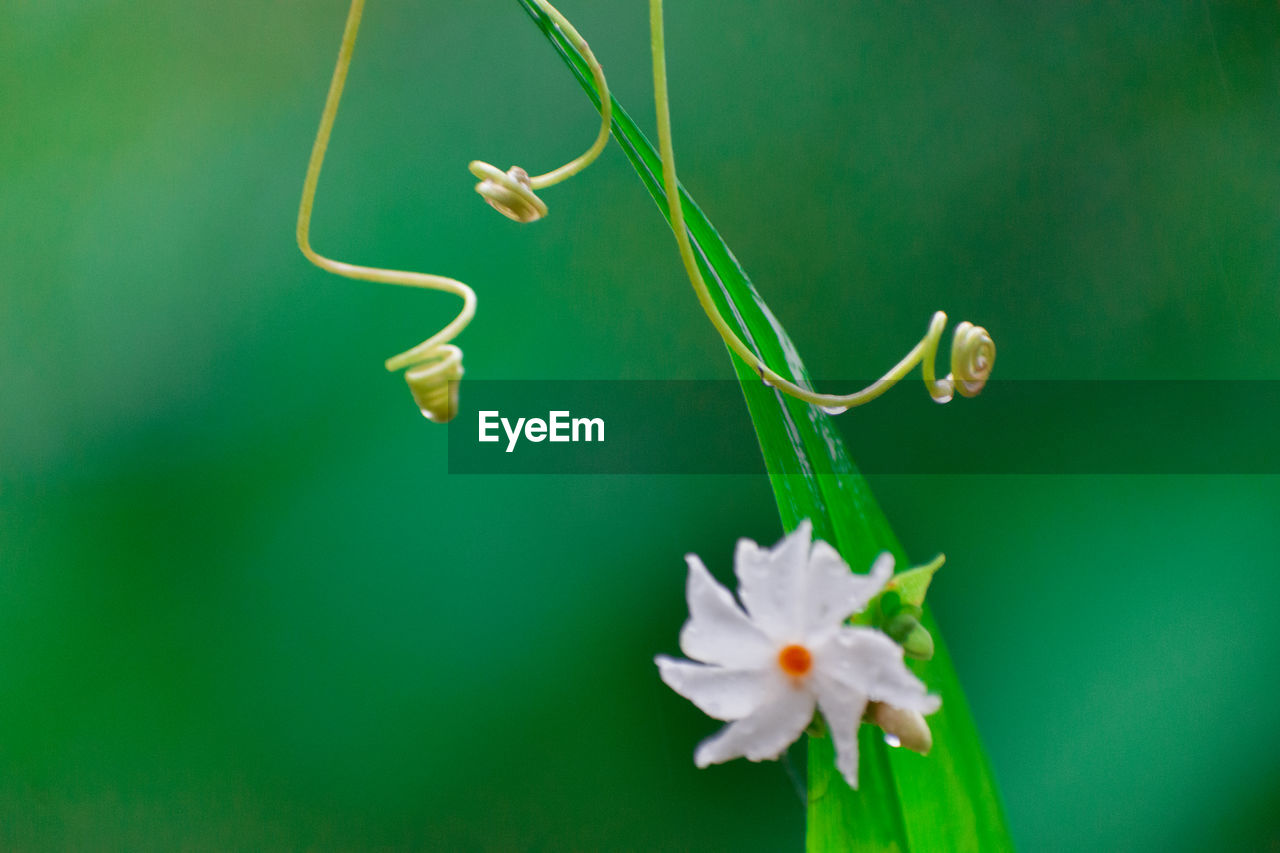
(243, 606)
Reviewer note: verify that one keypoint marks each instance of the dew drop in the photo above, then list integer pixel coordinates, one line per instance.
(892, 740)
(834, 410)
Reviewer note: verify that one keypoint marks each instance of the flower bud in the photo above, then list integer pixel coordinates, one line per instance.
(914, 638)
(908, 728)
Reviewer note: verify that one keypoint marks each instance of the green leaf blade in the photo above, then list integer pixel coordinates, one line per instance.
(906, 802)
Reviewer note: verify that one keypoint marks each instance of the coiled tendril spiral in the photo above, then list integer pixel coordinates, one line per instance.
(973, 353)
(434, 367)
(511, 193)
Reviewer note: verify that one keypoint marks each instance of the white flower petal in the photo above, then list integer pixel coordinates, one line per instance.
(717, 630)
(871, 663)
(833, 593)
(726, 694)
(843, 707)
(763, 734)
(771, 583)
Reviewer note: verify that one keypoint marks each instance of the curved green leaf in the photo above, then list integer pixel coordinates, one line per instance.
(947, 800)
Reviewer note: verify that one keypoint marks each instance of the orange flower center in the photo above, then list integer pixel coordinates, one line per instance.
(795, 661)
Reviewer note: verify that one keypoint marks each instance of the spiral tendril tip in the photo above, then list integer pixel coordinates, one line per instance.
(508, 192)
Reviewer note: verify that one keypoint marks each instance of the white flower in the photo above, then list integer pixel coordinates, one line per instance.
(766, 669)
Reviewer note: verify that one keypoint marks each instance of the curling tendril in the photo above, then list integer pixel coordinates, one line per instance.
(973, 352)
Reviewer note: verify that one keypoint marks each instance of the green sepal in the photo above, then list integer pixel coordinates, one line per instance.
(905, 591)
(912, 584)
